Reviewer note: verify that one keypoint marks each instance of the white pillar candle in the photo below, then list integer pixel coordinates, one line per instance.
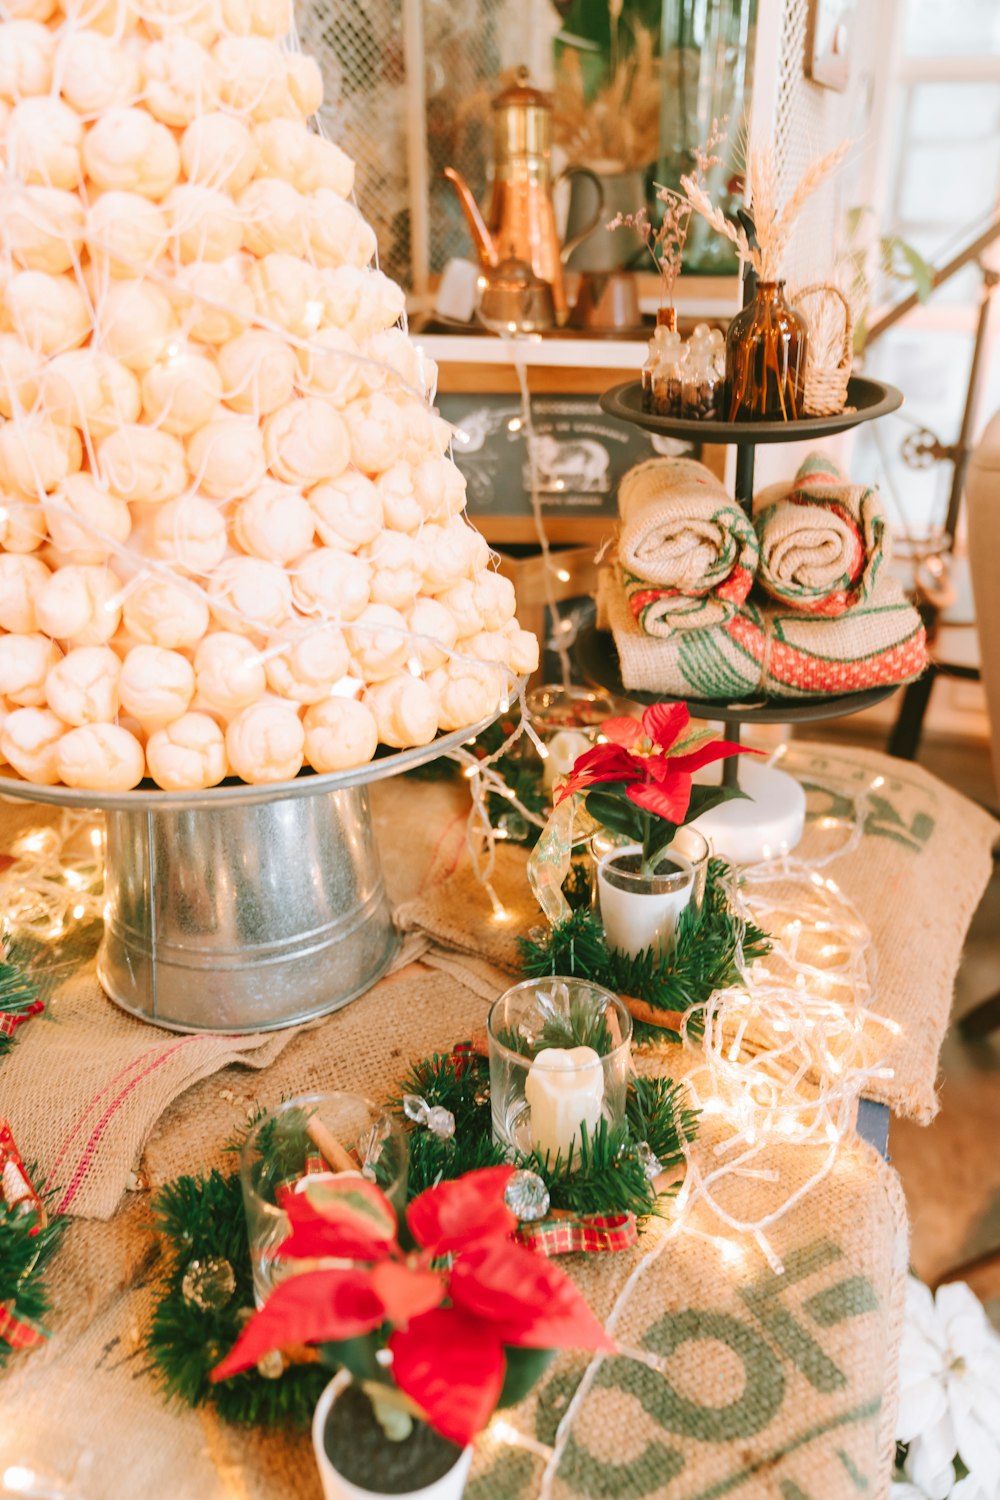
(565, 1090)
(766, 823)
(564, 748)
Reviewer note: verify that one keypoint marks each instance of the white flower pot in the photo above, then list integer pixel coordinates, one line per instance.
(641, 911)
(448, 1487)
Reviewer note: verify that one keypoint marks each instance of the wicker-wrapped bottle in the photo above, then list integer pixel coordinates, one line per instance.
(766, 358)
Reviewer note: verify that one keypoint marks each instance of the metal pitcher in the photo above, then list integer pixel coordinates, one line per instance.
(521, 223)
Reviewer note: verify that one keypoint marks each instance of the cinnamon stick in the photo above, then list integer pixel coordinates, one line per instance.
(333, 1152)
(641, 1010)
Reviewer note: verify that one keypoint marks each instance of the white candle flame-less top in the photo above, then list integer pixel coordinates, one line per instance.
(565, 1089)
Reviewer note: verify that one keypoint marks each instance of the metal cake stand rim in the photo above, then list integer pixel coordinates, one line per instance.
(241, 793)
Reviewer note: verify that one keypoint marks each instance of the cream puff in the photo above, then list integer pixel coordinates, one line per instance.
(126, 233)
(180, 80)
(49, 313)
(379, 642)
(405, 710)
(275, 218)
(44, 227)
(189, 534)
(397, 564)
(129, 150)
(450, 553)
(36, 455)
(261, 81)
(26, 50)
(135, 323)
(29, 741)
(348, 511)
(229, 673)
(214, 302)
(275, 523)
(331, 365)
(226, 457)
(100, 757)
(21, 580)
(494, 596)
(337, 233)
(25, 662)
(218, 151)
(361, 299)
(460, 602)
(433, 630)
(79, 604)
(305, 160)
(331, 583)
(20, 369)
(143, 464)
(87, 389)
(246, 594)
(287, 293)
(522, 649)
(156, 685)
(306, 671)
(85, 522)
(258, 372)
(266, 743)
(199, 19)
(82, 688)
(401, 506)
(306, 441)
(440, 485)
(467, 692)
(187, 755)
(43, 141)
(95, 73)
(340, 733)
(182, 391)
(162, 612)
(270, 18)
(377, 431)
(205, 224)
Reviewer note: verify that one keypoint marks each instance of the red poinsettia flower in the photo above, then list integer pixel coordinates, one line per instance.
(637, 756)
(446, 1328)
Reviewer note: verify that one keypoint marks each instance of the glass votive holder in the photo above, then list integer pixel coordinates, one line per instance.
(568, 722)
(306, 1136)
(560, 1051)
(641, 911)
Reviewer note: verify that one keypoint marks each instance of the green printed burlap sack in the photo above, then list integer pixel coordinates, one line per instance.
(823, 540)
(731, 1380)
(773, 651)
(688, 553)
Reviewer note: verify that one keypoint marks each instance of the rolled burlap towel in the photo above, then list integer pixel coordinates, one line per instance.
(687, 551)
(823, 540)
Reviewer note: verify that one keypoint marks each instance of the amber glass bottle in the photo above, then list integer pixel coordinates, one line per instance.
(766, 358)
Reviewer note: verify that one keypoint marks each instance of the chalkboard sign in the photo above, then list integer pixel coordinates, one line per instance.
(581, 455)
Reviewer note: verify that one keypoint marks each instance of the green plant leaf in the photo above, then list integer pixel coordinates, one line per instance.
(525, 1367)
(356, 1355)
(703, 798)
(616, 813)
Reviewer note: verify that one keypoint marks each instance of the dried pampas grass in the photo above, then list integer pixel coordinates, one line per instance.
(619, 128)
(773, 225)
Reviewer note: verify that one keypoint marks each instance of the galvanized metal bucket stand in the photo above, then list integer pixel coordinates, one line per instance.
(243, 908)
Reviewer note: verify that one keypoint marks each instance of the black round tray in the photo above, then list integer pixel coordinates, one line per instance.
(867, 400)
(597, 659)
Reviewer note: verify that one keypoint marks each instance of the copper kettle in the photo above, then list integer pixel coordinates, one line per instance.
(521, 223)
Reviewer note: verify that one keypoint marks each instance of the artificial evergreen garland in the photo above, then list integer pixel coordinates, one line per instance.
(25, 1250)
(19, 996)
(708, 943)
(208, 1284)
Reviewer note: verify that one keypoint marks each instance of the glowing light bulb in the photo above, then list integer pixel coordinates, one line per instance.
(563, 575)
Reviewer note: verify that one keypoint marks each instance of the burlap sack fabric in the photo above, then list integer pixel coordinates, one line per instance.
(769, 650)
(728, 1380)
(823, 540)
(687, 551)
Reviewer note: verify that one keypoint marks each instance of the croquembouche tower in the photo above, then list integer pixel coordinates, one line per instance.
(233, 546)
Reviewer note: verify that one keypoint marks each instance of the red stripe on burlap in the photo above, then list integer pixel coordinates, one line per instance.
(793, 668)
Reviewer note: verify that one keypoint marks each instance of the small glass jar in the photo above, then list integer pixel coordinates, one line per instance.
(560, 1055)
(568, 722)
(691, 845)
(641, 910)
(291, 1144)
(703, 393)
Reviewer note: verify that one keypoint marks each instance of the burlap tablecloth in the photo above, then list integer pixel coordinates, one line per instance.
(729, 1380)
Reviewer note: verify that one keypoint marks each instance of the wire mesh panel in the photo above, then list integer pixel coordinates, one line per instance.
(374, 103)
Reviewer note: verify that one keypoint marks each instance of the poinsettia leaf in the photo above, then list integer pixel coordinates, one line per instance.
(660, 836)
(310, 1308)
(452, 1365)
(525, 1368)
(669, 799)
(406, 1291)
(462, 1212)
(665, 723)
(527, 1295)
(346, 1215)
(615, 813)
(703, 798)
(706, 754)
(622, 731)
